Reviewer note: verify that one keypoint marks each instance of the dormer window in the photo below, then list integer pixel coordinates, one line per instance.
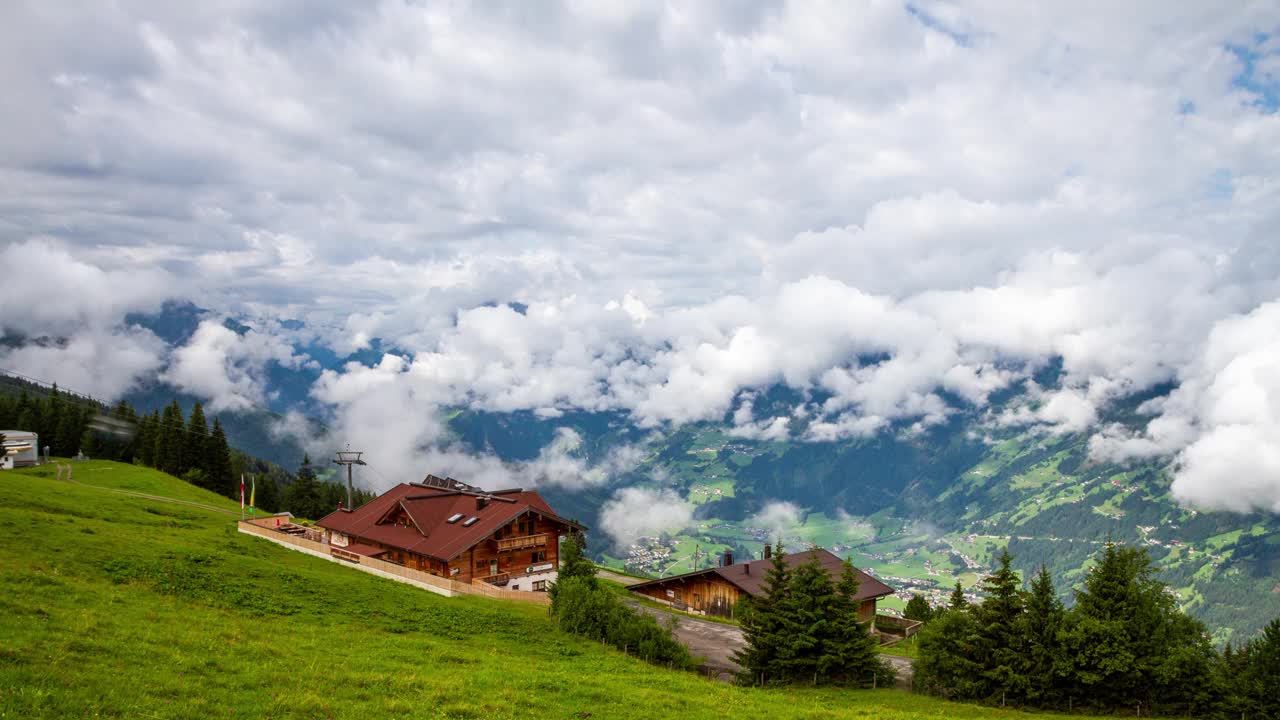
(454, 518)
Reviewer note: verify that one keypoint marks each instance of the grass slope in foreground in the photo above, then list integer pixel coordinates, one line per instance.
(117, 606)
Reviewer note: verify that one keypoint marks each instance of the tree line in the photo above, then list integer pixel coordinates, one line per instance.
(804, 629)
(1124, 646)
(168, 440)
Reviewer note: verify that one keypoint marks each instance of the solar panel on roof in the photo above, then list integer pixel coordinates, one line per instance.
(471, 521)
(454, 518)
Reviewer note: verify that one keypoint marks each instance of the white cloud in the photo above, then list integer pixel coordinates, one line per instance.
(228, 368)
(1222, 420)
(101, 364)
(687, 203)
(634, 512)
(778, 517)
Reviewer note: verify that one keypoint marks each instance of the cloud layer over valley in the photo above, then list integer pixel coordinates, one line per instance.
(896, 209)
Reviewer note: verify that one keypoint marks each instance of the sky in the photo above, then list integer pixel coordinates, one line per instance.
(661, 209)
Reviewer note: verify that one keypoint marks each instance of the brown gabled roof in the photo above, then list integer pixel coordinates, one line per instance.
(429, 509)
(752, 581)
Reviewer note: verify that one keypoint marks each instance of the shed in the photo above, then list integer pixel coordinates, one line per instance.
(21, 449)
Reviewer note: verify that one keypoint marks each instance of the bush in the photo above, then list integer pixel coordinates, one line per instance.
(583, 608)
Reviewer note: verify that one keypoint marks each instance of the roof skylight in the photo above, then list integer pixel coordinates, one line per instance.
(454, 518)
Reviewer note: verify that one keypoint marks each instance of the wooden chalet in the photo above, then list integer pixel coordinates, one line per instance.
(508, 538)
(715, 591)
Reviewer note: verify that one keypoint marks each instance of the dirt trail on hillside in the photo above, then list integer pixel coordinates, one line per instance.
(624, 580)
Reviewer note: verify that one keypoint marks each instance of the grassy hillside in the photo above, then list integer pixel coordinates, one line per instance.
(114, 605)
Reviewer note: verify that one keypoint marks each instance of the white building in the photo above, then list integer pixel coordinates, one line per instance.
(21, 449)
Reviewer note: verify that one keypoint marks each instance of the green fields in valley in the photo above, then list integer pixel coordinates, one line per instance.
(115, 605)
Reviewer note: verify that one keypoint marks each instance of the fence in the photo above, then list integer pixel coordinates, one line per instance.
(392, 571)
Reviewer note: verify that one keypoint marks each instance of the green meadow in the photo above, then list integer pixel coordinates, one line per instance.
(114, 605)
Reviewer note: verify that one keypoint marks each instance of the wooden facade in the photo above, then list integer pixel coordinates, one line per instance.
(716, 591)
(503, 538)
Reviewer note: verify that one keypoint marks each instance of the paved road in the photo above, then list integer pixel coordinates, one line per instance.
(717, 642)
(714, 642)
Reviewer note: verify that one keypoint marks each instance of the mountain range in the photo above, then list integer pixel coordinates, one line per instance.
(920, 506)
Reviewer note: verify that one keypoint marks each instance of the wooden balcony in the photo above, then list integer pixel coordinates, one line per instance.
(525, 541)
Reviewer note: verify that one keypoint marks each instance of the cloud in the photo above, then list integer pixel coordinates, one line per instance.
(1222, 420)
(633, 513)
(653, 210)
(103, 364)
(778, 517)
(68, 315)
(226, 367)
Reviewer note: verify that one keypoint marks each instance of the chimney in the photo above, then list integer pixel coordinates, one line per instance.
(728, 558)
(481, 503)
(746, 568)
(768, 551)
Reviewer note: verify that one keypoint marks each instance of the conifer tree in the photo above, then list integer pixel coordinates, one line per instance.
(195, 446)
(946, 666)
(1045, 661)
(169, 440)
(814, 610)
(1253, 675)
(303, 498)
(573, 559)
(48, 418)
(217, 461)
(70, 429)
(851, 657)
(146, 439)
(918, 609)
(958, 601)
(1000, 648)
(767, 627)
(1130, 644)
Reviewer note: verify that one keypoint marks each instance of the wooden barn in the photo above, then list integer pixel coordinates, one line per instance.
(508, 538)
(715, 591)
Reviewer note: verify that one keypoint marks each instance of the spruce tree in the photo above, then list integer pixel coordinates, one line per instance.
(217, 462)
(814, 609)
(768, 627)
(958, 601)
(851, 655)
(146, 439)
(169, 440)
(1045, 661)
(1131, 645)
(1000, 648)
(303, 498)
(573, 559)
(1255, 675)
(946, 666)
(66, 439)
(918, 609)
(195, 446)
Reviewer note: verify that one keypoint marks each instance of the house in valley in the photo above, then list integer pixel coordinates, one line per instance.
(715, 591)
(507, 538)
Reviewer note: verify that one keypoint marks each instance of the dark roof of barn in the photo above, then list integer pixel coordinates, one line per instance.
(752, 581)
(429, 508)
